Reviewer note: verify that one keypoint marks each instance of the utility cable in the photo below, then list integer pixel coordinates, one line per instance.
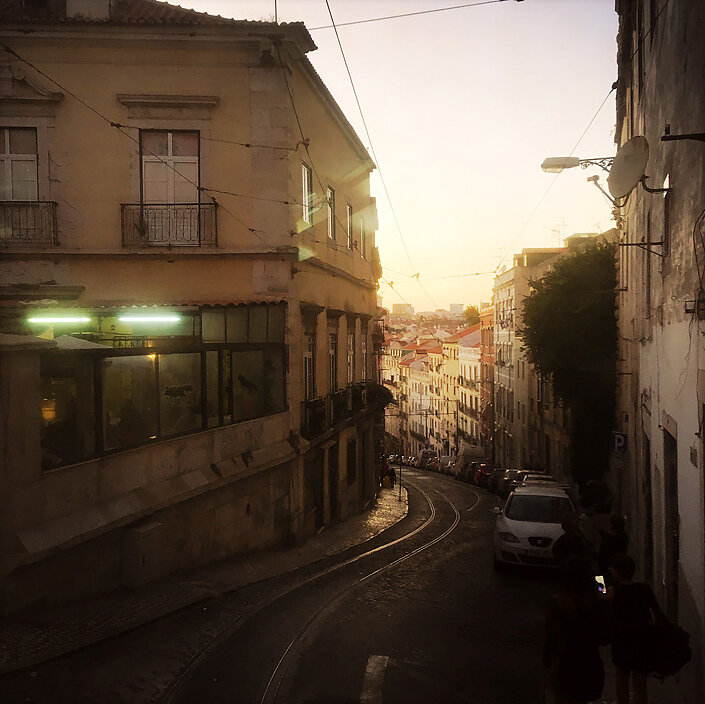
(369, 138)
(409, 14)
(121, 129)
(306, 144)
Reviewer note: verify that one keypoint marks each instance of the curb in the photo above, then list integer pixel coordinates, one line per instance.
(182, 600)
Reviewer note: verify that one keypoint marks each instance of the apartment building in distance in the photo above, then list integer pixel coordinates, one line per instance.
(188, 295)
(469, 387)
(512, 374)
(487, 378)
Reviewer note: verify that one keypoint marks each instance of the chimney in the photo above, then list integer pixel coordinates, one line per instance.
(90, 9)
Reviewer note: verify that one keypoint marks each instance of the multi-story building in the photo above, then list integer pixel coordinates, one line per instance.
(469, 387)
(188, 287)
(487, 376)
(659, 457)
(511, 387)
(419, 404)
(437, 439)
(450, 383)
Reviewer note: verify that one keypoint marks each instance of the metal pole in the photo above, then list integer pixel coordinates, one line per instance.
(401, 447)
(276, 16)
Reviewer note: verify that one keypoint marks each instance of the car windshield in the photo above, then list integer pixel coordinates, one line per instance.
(538, 509)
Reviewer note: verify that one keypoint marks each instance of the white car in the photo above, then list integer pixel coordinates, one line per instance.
(529, 524)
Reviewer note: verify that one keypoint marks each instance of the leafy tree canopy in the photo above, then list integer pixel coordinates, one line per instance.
(570, 335)
(471, 315)
(569, 323)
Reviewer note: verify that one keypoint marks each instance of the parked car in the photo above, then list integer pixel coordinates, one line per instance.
(494, 478)
(433, 465)
(504, 482)
(482, 474)
(520, 476)
(529, 524)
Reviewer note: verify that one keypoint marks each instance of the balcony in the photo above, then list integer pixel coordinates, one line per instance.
(339, 404)
(313, 417)
(169, 225)
(24, 222)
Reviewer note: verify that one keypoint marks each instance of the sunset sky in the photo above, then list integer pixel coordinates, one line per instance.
(462, 107)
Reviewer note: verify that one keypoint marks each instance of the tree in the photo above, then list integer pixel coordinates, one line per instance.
(570, 335)
(471, 315)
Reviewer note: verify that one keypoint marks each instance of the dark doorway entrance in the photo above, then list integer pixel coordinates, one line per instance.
(672, 522)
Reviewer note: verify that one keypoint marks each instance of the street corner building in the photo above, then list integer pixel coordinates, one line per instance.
(188, 275)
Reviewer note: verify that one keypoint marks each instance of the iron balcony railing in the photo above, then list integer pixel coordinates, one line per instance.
(313, 417)
(28, 222)
(169, 224)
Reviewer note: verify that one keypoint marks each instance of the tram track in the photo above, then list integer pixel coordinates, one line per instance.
(173, 691)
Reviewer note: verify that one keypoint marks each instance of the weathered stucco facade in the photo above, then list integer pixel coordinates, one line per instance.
(661, 402)
(183, 189)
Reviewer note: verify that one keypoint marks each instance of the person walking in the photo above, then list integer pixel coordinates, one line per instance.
(572, 543)
(575, 627)
(612, 541)
(634, 609)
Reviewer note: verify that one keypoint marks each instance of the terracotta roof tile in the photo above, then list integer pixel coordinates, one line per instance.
(125, 12)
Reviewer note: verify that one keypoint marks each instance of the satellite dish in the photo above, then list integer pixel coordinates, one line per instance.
(628, 167)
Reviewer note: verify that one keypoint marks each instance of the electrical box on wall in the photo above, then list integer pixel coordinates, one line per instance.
(141, 554)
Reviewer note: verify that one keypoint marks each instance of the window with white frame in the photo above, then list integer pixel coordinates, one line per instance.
(363, 340)
(309, 365)
(330, 201)
(307, 193)
(349, 224)
(351, 354)
(332, 356)
(18, 163)
(170, 166)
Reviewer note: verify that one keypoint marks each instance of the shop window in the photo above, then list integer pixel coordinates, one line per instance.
(130, 401)
(179, 393)
(213, 326)
(213, 412)
(67, 411)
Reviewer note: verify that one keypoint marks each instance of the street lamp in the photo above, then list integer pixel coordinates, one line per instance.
(556, 164)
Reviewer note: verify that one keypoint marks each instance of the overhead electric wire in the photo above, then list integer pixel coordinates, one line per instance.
(594, 117)
(409, 14)
(305, 142)
(121, 129)
(369, 138)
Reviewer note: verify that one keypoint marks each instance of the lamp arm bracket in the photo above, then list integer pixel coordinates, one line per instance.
(604, 162)
(696, 136)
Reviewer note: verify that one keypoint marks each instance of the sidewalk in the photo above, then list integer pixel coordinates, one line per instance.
(666, 692)
(45, 633)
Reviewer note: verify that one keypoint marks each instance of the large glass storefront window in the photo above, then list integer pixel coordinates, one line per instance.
(179, 393)
(67, 410)
(130, 403)
(142, 396)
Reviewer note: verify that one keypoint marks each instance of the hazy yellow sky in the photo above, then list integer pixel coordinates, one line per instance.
(462, 107)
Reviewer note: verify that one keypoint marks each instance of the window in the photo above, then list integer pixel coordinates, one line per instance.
(18, 163)
(309, 365)
(332, 355)
(307, 193)
(170, 166)
(349, 224)
(364, 351)
(330, 199)
(351, 353)
(363, 238)
(67, 410)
